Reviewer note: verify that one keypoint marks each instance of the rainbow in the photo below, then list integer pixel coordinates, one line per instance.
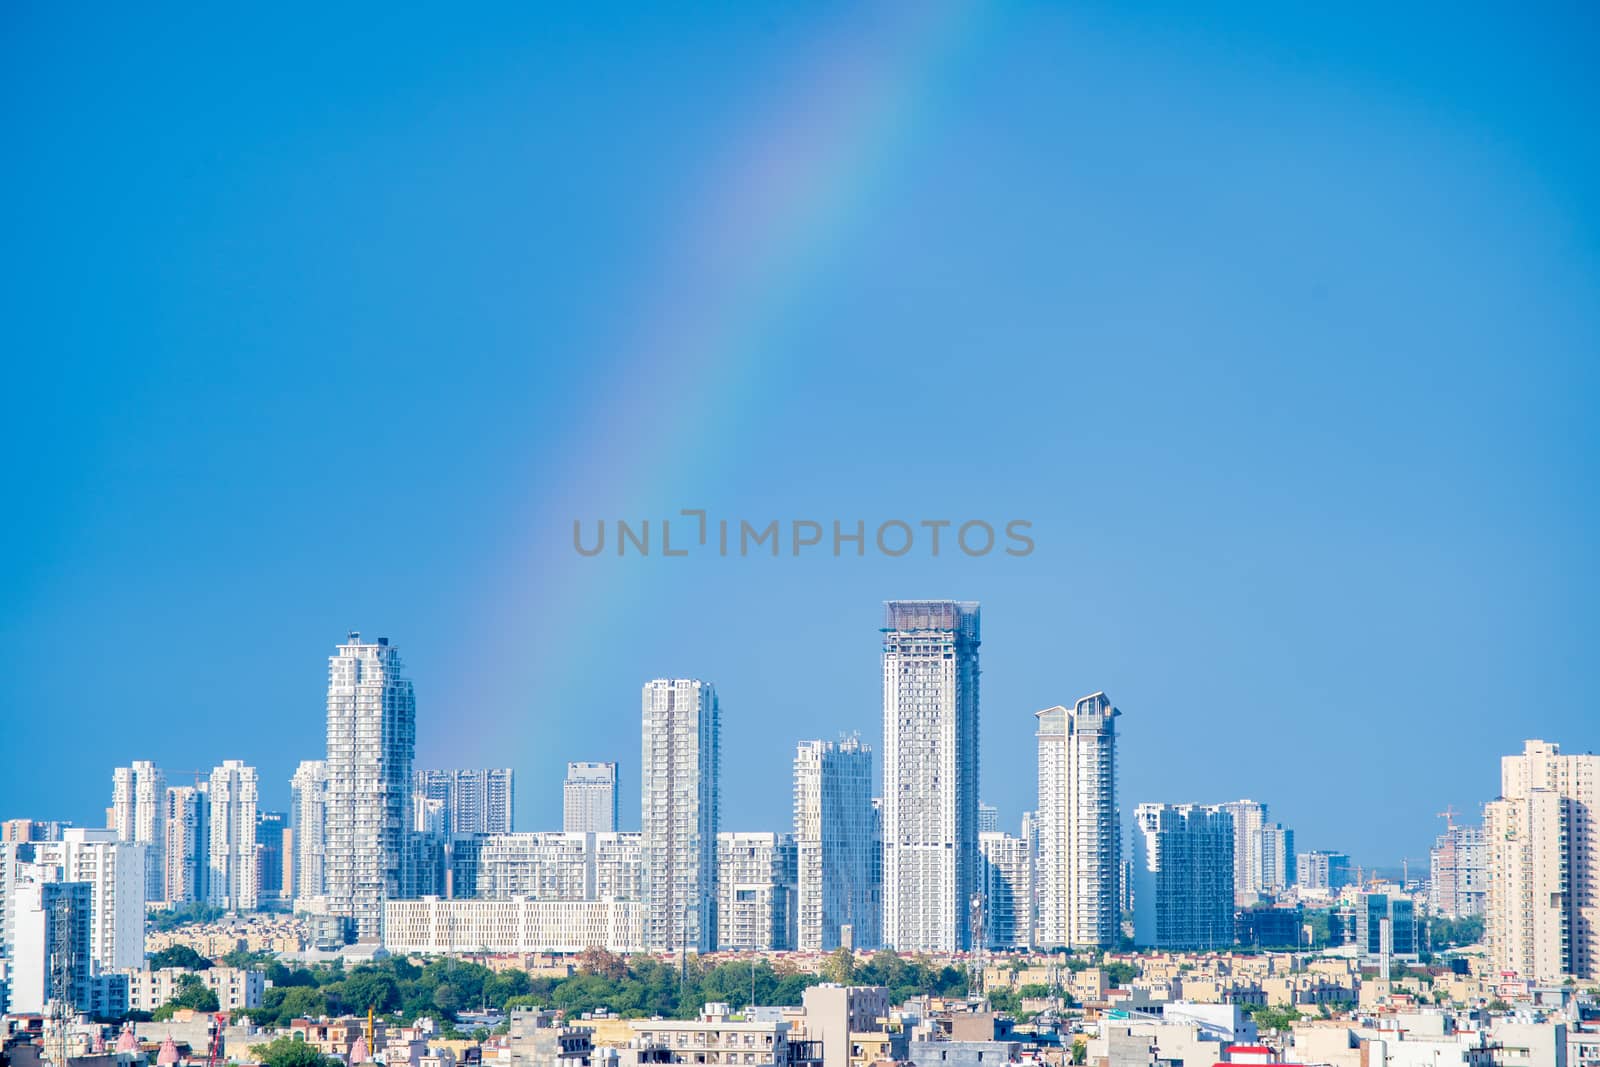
(760, 236)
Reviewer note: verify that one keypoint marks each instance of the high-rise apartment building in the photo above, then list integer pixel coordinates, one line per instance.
(49, 952)
(138, 814)
(472, 801)
(1386, 925)
(835, 845)
(115, 873)
(988, 818)
(372, 741)
(755, 892)
(308, 820)
(930, 773)
(1079, 837)
(1249, 818)
(1458, 867)
(1007, 890)
(589, 798)
(272, 833)
(1183, 894)
(680, 763)
(560, 866)
(187, 850)
(17, 830)
(1275, 858)
(1542, 909)
(1320, 871)
(231, 859)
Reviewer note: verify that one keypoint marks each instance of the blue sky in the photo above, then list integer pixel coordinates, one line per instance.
(1279, 327)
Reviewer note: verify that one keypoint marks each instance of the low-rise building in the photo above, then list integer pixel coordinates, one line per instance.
(434, 926)
(235, 987)
(717, 1038)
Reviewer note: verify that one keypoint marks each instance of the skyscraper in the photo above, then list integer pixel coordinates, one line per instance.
(231, 860)
(474, 801)
(680, 762)
(1543, 903)
(1079, 839)
(589, 798)
(138, 814)
(308, 816)
(1275, 851)
(1183, 896)
(1323, 872)
(272, 830)
(834, 840)
(188, 845)
(372, 740)
(930, 773)
(115, 873)
(1458, 872)
(1007, 890)
(1249, 816)
(755, 892)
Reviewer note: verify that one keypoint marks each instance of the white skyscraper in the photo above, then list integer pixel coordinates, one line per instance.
(474, 801)
(589, 798)
(680, 762)
(1183, 893)
(755, 892)
(1458, 872)
(1007, 890)
(138, 814)
(1275, 851)
(1079, 839)
(930, 773)
(372, 740)
(115, 871)
(188, 845)
(1543, 904)
(308, 818)
(835, 843)
(231, 860)
(1249, 817)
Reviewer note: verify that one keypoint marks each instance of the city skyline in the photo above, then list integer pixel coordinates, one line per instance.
(271, 789)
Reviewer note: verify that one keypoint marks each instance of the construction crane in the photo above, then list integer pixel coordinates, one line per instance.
(214, 1038)
(1449, 816)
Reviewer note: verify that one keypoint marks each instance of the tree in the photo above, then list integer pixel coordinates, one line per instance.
(446, 999)
(1005, 1000)
(302, 1002)
(604, 963)
(369, 989)
(291, 1052)
(178, 956)
(1033, 991)
(1278, 1018)
(192, 993)
(1119, 973)
(840, 966)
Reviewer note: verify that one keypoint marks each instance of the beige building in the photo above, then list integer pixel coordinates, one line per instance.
(235, 988)
(1543, 907)
(714, 1038)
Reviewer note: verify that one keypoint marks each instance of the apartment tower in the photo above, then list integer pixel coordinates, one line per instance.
(1543, 902)
(833, 830)
(372, 741)
(1079, 845)
(680, 761)
(930, 773)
